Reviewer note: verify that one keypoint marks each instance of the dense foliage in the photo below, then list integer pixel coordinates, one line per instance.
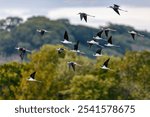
(128, 79)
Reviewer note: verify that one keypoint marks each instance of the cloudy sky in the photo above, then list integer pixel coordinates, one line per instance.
(138, 14)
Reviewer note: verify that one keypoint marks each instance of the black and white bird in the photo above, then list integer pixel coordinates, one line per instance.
(105, 65)
(42, 31)
(76, 48)
(109, 43)
(116, 8)
(32, 77)
(66, 39)
(107, 30)
(84, 16)
(133, 34)
(22, 52)
(93, 42)
(60, 50)
(98, 52)
(72, 65)
(98, 36)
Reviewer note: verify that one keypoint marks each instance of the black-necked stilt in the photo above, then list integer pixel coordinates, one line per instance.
(105, 65)
(109, 44)
(133, 34)
(116, 8)
(84, 15)
(60, 50)
(93, 42)
(42, 31)
(76, 48)
(72, 64)
(98, 52)
(22, 52)
(32, 77)
(66, 39)
(107, 30)
(98, 36)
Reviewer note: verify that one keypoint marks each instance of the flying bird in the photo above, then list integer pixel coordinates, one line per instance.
(76, 48)
(22, 52)
(72, 65)
(98, 52)
(32, 78)
(93, 42)
(98, 36)
(133, 34)
(84, 16)
(42, 31)
(60, 50)
(105, 65)
(116, 8)
(107, 30)
(109, 43)
(66, 39)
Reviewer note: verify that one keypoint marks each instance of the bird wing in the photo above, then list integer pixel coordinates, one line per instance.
(76, 45)
(85, 17)
(73, 66)
(133, 36)
(100, 34)
(106, 62)
(99, 51)
(116, 6)
(66, 36)
(33, 75)
(106, 32)
(22, 53)
(81, 16)
(117, 11)
(110, 40)
(42, 32)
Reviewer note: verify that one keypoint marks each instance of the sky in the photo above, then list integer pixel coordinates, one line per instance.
(138, 14)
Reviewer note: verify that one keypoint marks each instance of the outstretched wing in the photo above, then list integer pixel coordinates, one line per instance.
(110, 40)
(106, 62)
(66, 36)
(85, 17)
(99, 51)
(73, 66)
(33, 75)
(76, 45)
(100, 33)
(133, 36)
(117, 11)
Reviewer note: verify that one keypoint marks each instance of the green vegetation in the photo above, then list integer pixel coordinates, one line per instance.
(130, 78)
(24, 34)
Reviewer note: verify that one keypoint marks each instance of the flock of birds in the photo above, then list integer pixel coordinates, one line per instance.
(94, 41)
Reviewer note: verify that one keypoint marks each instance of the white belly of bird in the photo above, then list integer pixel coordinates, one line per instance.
(66, 42)
(31, 79)
(98, 38)
(104, 67)
(109, 45)
(97, 54)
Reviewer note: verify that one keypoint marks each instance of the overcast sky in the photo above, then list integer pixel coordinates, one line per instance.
(138, 14)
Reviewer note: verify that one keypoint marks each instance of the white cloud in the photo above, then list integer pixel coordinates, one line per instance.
(137, 17)
(23, 13)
